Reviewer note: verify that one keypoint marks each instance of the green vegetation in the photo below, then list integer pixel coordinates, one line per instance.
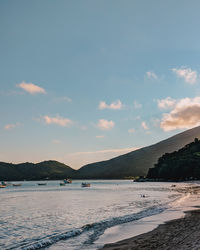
(29, 171)
(136, 163)
(180, 165)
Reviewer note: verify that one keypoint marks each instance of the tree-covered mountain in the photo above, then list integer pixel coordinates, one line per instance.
(183, 164)
(29, 171)
(135, 163)
(138, 162)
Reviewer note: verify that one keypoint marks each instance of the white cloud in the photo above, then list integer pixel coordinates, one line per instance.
(11, 126)
(131, 130)
(186, 114)
(63, 122)
(105, 124)
(166, 103)
(31, 88)
(100, 136)
(137, 105)
(114, 105)
(144, 125)
(151, 75)
(187, 74)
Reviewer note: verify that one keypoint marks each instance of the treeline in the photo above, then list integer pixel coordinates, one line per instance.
(51, 170)
(180, 165)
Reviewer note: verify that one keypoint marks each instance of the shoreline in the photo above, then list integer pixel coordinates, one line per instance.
(175, 233)
(183, 233)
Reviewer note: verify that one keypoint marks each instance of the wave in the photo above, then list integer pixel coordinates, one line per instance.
(95, 229)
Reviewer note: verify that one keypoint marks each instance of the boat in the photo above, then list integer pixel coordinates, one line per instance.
(84, 184)
(16, 184)
(42, 184)
(67, 181)
(2, 186)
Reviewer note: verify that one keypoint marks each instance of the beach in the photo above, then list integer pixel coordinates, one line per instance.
(183, 233)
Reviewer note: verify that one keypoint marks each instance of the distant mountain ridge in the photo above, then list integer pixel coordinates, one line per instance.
(30, 171)
(135, 163)
(138, 162)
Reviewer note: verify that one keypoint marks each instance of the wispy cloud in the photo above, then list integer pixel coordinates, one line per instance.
(114, 105)
(118, 150)
(189, 75)
(56, 141)
(166, 103)
(185, 114)
(11, 126)
(58, 120)
(144, 125)
(31, 88)
(131, 130)
(151, 75)
(105, 124)
(100, 136)
(62, 99)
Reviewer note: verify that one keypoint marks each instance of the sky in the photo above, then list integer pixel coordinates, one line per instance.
(85, 81)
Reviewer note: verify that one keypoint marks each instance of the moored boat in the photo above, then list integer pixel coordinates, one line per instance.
(16, 184)
(84, 184)
(67, 181)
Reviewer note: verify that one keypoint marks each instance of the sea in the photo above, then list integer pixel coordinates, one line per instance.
(73, 217)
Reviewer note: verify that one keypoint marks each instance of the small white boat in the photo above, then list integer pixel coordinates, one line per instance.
(84, 184)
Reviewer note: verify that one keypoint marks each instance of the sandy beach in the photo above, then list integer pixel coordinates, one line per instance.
(183, 233)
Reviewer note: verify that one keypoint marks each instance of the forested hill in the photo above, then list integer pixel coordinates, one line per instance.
(180, 165)
(135, 163)
(138, 162)
(40, 171)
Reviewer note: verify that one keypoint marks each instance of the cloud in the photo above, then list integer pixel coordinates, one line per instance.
(63, 122)
(105, 124)
(186, 114)
(151, 75)
(56, 141)
(62, 99)
(11, 126)
(114, 105)
(118, 150)
(31, 88)
(166, 103)
(78, 159)
(137, 105)
(144, 125)
(100, 136)
(187, 74)
(131, 131)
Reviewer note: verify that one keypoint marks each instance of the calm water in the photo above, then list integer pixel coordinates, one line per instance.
(72, 217)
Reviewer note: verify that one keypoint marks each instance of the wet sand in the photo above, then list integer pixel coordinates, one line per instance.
(183, 233)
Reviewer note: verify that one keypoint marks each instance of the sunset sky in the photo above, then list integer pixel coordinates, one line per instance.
(84, 81)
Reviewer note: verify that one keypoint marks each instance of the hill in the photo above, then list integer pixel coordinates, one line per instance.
(138, 162)
(29, 171)
(180, 165)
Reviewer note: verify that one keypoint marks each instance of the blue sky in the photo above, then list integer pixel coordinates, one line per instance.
(83, 81)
